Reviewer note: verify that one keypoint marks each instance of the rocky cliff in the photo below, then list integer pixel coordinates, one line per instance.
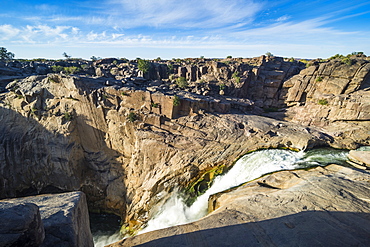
(123, 139)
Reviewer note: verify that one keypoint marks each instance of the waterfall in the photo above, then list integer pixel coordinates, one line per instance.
(251, 166)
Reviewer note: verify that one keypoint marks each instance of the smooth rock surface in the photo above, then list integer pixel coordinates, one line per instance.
(320, 207)
(361, 157)
(20, 225)
(65, 218)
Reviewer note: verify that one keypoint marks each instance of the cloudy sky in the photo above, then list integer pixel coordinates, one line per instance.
(184, 28)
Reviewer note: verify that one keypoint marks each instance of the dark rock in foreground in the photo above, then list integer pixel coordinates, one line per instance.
(21, 225)
(64, 216)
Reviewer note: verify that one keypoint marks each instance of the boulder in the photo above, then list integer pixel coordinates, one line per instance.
(64, 216)
(21, 225)
(319, 207)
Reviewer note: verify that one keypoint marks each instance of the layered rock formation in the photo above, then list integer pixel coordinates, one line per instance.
(124, 141)
(320, 207)
(334, 95)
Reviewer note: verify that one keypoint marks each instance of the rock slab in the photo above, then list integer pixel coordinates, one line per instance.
(320, 207)
(65, 218)
(360, 157)
(21, 225)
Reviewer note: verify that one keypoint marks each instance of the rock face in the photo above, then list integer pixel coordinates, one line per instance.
(21, 225)
(333, 95)
(64, 217)
(287, 208)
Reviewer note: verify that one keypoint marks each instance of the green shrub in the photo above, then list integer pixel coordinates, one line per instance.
(155, 105)
(181, 82)
(71, 70)
(170, 68)
(336, 56)
(176, 101)
(132, 117)
(347, 61)
(143, 65)
(322, 102)
(57, 68)
(318, 79)
(236, 76)
(67, 116)
(222, 86)
(229, 57)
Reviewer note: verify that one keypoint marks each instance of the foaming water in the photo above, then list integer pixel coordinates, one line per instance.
(251, 166)
(105, 229)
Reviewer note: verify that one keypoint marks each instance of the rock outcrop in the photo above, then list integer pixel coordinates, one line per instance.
(21, 225)
(65, 220)
(287, 208)
(333, 95)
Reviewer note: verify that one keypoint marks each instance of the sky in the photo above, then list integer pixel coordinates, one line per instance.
(183, 28)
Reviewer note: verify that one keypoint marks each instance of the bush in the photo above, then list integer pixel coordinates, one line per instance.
(170, 68)
(347, 61)
(336, 56)
(229, 57)
(67, 116)
(143, 65)
(181, 82)
(176, 101)
(155, 105)
(71, 70)
(318, 79)
(57, 68)
(236, 76)
(322, 102)
(132, 117)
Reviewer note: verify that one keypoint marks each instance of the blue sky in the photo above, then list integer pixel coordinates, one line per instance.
(184, 28)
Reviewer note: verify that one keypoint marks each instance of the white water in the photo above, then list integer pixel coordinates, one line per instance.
(251, 166)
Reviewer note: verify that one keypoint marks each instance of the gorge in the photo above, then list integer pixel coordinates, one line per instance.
(127, 138)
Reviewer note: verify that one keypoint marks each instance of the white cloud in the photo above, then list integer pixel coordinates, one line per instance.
(187, 14)
(8, 31)
(283, 18)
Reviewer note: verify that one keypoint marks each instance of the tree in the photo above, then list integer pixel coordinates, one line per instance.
(269, 54)
(66, 55)
(5, 55)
